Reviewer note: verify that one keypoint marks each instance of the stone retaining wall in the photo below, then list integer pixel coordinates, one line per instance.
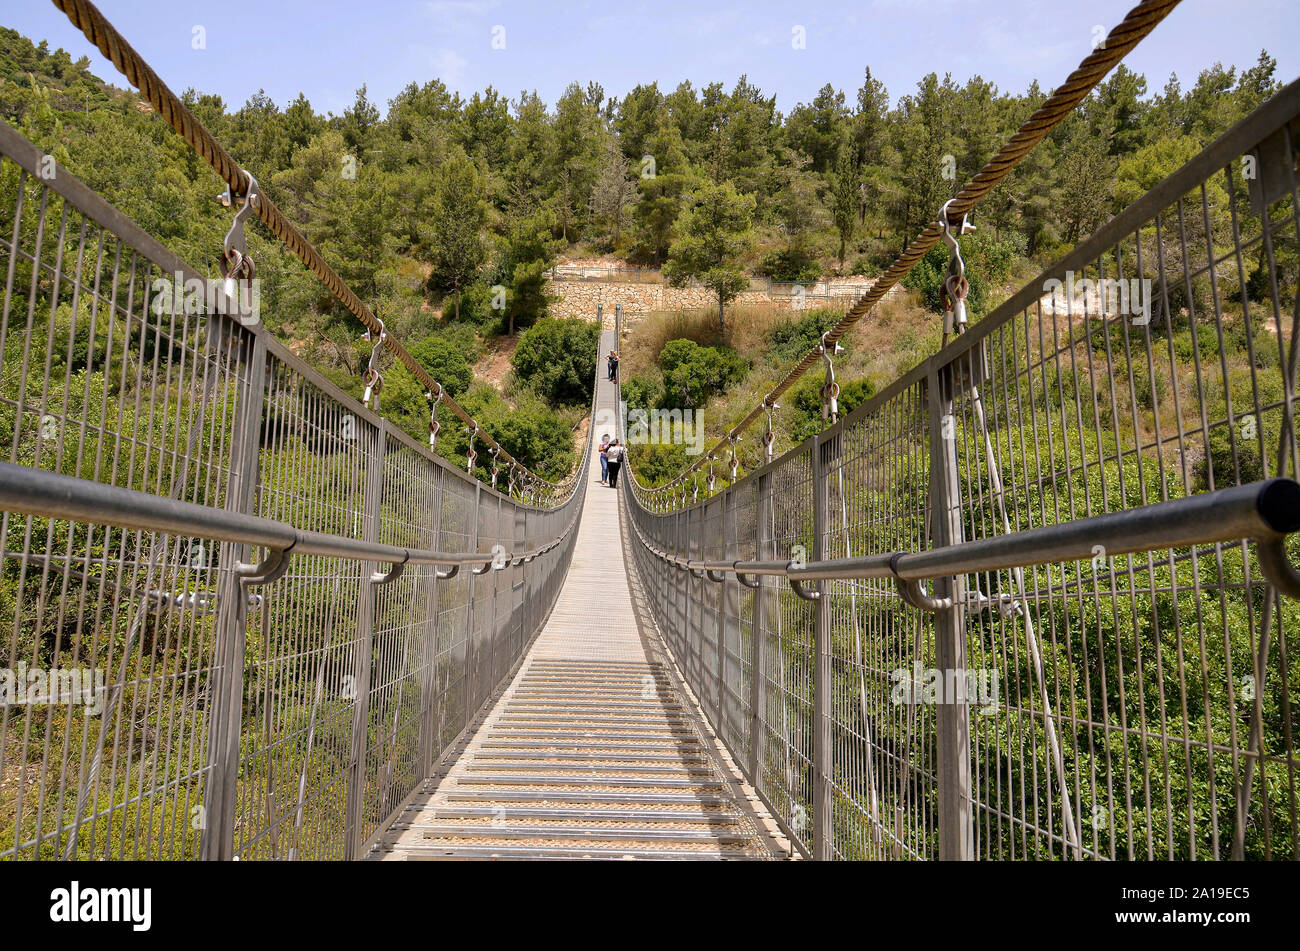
(582, 298)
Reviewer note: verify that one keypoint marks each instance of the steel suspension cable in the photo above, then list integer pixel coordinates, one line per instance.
(86, 17)
(1139, 22)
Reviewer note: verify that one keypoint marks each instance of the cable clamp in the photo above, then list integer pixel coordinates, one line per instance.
(471, 455)
(434, 425)
(236, 262)
(830, 391)
(769, 434)
(372, 379)
(955, 286)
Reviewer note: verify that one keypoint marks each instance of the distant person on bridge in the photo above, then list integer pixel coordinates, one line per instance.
(613, 366)
(604, 459)
(615, 455)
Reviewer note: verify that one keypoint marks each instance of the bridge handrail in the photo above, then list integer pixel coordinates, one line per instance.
(156, 462)
(52, 495)
(1265, 511)
(1137, 430)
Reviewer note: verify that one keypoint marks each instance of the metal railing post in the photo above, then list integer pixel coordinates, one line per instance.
(822, 672)
(429, 727)
(953, 717)
(498, 625)
(366, 595)
(471, 656)
(519, 582)
(665, 539)
(724, 589)
(683, 533)
(525, 620)
(217, 837)
(684, 530)
(762, 549)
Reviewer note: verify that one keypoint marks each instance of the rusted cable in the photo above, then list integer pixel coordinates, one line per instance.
(1141, 20)
(86, 17)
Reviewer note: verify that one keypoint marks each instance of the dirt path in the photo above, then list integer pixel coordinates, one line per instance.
(494, 365)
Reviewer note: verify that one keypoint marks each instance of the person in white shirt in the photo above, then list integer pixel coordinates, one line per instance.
(614, 457)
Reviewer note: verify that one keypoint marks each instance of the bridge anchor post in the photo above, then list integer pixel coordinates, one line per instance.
(354, 821)
(763, 549)
(217, 836)
(823, 455)
(956, 840)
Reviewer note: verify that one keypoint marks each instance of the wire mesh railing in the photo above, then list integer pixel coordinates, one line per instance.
(161, 698)
(1131, 699)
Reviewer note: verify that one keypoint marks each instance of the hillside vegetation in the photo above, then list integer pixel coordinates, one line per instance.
(444, 213)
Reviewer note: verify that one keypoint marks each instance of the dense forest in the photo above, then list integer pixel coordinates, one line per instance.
(425, 209)
(445, 215)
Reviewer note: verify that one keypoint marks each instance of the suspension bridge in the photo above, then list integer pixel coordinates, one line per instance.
(595, 748)
(1034, 599)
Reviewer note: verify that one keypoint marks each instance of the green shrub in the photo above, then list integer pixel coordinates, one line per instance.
(402, 399)
(1149, 395)
(791, 264)
(1264, 343)
(536, 434)
(445, 362)
(693, 373)
(1259, 285)
(640, 392)
(656, 464)
(988, 265)
(790, 340)
(1247, 467)
(876, 256)
(854, 394)
(475, 307)
(556, 358)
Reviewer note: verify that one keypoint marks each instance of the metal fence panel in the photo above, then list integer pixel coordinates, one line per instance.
(1130, 706)
(166, 710)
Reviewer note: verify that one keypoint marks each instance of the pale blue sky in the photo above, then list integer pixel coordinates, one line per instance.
(330, 47)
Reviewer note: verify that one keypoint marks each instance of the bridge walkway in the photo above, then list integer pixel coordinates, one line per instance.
(595, 749)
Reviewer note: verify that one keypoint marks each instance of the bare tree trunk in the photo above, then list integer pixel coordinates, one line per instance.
(722, 317)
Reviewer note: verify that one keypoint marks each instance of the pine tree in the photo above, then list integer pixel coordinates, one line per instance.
(613, 192)
(844, 199)
(714, 236)
(459, 215)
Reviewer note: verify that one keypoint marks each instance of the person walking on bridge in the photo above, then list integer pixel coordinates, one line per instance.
(614, 454)
(604, 459)
(612, 359)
